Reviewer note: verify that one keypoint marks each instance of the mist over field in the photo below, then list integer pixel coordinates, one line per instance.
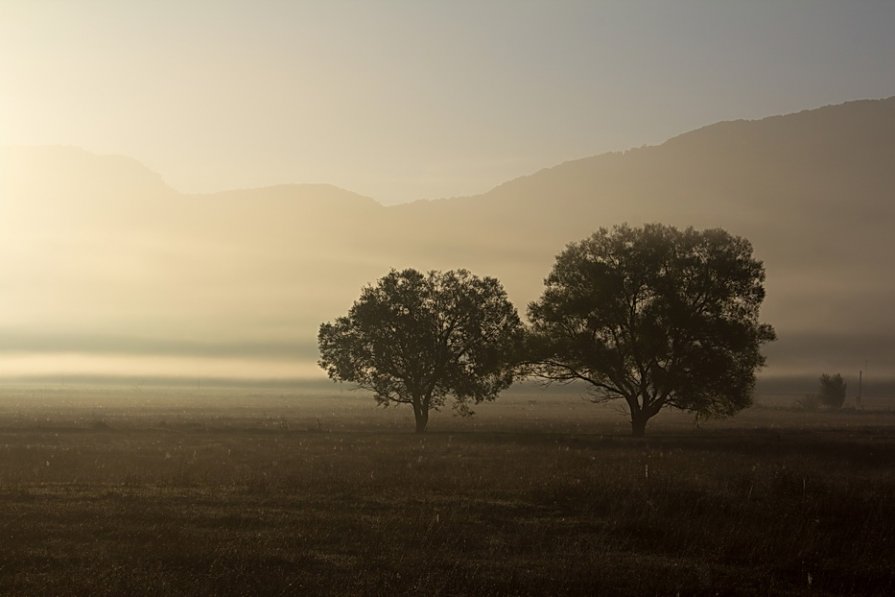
(109, 271)
(607, 288)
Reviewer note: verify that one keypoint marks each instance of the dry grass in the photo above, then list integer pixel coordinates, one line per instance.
(109, 492)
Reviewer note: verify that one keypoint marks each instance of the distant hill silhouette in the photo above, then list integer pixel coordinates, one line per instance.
(813, 191)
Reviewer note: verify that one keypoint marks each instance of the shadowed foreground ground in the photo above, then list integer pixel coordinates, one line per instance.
(241, 496)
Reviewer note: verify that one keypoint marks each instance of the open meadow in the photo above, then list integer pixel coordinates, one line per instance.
(241, 491)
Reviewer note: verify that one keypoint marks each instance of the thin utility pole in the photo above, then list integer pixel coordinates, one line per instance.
(860, 383)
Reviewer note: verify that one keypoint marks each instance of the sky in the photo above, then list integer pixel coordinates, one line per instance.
(405, 100)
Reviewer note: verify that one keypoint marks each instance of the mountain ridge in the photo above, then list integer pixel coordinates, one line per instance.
(811, 190)
(687, 136)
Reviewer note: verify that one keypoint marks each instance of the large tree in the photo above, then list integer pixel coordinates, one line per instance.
(655, 316)
(416, 339)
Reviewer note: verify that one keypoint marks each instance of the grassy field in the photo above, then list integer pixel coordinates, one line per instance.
(188, 491)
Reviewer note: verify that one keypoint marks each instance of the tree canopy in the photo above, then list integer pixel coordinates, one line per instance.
(415, 338)
(655, 316)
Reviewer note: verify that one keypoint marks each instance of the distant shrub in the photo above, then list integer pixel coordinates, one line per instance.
(832, 391)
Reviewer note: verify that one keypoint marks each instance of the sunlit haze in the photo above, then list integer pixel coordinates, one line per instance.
(447, 297)
(409, 100)
(190, 189)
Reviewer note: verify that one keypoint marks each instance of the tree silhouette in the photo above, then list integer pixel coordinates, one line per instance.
(417, 339)
(832, 390)
(655, 316)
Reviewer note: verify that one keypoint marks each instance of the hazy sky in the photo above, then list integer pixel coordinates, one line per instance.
(406, 100)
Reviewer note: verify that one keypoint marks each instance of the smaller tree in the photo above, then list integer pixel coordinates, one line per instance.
(832, 390)
(416, 339)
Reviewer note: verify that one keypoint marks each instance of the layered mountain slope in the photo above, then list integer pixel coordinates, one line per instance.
(808, 170)
(814, 191)
(99, 247)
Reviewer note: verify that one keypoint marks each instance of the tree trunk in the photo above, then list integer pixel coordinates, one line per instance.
(638, 423)
(421, 414)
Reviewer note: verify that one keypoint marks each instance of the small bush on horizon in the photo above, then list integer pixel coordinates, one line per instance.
(832, 391)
